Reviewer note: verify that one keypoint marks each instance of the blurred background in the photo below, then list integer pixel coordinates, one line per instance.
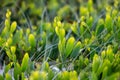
(38, 15)
(32, 12)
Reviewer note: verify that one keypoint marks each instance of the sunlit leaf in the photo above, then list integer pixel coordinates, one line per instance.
(69, 46)
(25, 62)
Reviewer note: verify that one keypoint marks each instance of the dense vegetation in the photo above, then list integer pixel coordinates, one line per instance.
(60, 39)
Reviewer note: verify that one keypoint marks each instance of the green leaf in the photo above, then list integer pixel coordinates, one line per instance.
(8, 67)
(8, 76)
(99, 29)
(69, 46)
(90, 4)
(13, 49)
(8, 14)
(45, 66)
(65, 75)
(37, 75)
(90, 21)
(22, 76)
(82, 29)
(13, 26)
(76, 49)
(93, 76)
(31, 40)
(100, 26)
(25, 62)
(104, 74)
(17, 71)
(110, 53)
(73, 75)
(7, 24)
(16, 37)
(61, 45)
(4, 32)
(83, 11)
(9, 41)
(108, 22)
(2, 41)
(43, 35)
(105, 63)
(74, 28)
(114, 76)
(96, 63)
(1, 77)
(50, 74)
(56, 30)
(9, 54)
(81, 61)
(62, 33)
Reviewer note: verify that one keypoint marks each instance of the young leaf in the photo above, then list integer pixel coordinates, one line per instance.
(7, 23)
(45, 66)
(65, 75)
(100, 26)
(61, 45)
(90, 4)
(13, 27)
(25, 62)
(8, 67)
(31, 40)
(104, 74)
(57, 31)
(9, 54)
(17, 37)
(36, 75)
(73, 75)
(108, 22)
(69, 46)
(13, 49)
(62, 33)
(74, 28)
(114, 76)
(96, 63)
(17, 71)
(110, 53)
(83, 11)
(8, 14)
(76, 49)
(8, 76)
(9, 41)
(105, 63)
(22, 76)
(93, 76)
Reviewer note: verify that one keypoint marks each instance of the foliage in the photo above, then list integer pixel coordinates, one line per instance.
(60, 39)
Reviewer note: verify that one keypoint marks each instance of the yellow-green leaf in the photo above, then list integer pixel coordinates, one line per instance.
(31, 40)
(9, 41)
(8, 14)
(76, 49)
(13, 27)
(69, 46)
(108, 22)
(25, 62)
(9, 54)
(13, 49)
(8, 76)
(8, 67)
(17, 71)
(62, 33)
(96, 63)
(7, 23)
